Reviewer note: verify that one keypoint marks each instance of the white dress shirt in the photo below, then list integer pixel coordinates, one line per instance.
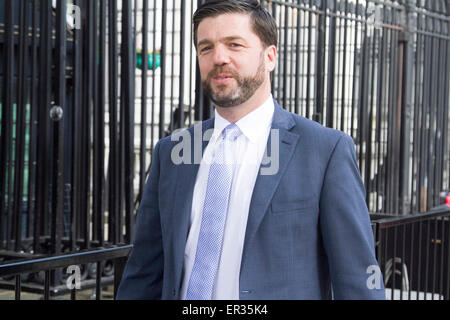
(248, 149)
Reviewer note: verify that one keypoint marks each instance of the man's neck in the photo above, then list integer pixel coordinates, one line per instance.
(234, 114)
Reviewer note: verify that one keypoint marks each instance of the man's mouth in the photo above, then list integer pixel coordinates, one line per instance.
(222, 78)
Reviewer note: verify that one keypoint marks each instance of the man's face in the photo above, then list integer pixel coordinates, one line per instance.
(231, 59)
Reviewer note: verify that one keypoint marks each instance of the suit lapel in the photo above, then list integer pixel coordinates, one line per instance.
(266, 184)
(186, 177)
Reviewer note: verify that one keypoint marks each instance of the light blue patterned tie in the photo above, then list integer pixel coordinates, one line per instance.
(209, 245)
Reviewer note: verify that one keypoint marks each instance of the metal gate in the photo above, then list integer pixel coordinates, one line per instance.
(379, 71)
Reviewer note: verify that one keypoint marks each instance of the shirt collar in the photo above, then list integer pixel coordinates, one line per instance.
(253, 125)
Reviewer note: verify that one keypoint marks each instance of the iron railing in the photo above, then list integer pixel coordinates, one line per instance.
(414, 254)
(78, 129)
(379, 71)
(115, 256)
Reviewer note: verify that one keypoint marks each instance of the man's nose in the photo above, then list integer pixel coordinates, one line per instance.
(221, 56)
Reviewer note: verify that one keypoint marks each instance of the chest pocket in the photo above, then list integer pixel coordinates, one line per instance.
(293, 206)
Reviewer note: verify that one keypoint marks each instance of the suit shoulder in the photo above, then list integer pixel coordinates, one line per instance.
(198, 130)
(313, 130)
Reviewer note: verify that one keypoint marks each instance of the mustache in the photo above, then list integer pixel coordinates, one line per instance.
(219, 70)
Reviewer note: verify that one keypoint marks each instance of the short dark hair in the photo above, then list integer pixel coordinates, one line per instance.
(264, 25)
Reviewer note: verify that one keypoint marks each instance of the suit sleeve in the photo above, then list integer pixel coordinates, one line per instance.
(345, 227)
(143, 273)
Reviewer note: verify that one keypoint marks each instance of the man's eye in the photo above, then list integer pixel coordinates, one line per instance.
(205, 49)
(236, 45)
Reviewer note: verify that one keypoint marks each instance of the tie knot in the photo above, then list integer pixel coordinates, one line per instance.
(231, 132)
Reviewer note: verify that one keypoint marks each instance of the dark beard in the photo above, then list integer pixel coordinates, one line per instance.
(246, 87)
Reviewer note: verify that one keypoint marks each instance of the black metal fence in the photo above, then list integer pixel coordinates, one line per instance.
(379, 71)
(414, 254)
(108, 265)
(84, 97)
(66, 178)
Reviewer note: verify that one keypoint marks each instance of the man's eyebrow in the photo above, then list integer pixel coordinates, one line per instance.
(229, 38)
(202, 42)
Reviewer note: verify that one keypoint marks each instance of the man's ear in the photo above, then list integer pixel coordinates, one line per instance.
(271, 57)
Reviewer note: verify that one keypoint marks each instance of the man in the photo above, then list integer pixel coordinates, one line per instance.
(231, 227)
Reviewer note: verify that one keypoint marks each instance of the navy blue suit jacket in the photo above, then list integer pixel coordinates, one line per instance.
(308, 234)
